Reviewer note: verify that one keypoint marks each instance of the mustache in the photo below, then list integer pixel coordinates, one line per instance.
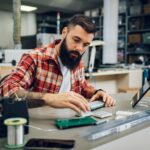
(74, 54)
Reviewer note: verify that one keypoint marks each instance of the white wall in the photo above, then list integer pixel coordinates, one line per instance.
(6, 29)
(28, 27)
(28, 24)
(110, 31)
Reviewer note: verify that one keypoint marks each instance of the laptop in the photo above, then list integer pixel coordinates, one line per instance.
(139, 95)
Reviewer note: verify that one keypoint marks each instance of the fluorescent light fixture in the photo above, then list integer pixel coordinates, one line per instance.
(28, 8)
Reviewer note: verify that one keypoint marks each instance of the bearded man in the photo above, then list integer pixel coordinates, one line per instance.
(54, 74)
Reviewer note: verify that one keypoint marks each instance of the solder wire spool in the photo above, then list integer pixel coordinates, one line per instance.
(15, 132)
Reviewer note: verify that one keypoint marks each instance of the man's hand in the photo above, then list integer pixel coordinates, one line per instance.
(109, 101)
(67, 100)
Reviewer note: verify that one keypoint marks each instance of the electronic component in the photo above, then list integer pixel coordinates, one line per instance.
(11, 108)
(15, 130)
(96, 104)
(76, 122)
(84, 114)
(102, 114)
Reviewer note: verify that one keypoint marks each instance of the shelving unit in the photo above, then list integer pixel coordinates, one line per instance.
(138, 34)
(133, 32)
(138, 38)
(47, 22)
(98, 20)
(122, 37)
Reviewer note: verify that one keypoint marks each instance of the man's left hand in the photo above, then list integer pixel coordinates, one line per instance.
(109, 101)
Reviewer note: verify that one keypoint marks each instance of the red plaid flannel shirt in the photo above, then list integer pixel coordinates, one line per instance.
(40, 70)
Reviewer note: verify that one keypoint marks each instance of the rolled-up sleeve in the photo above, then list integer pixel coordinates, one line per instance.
(87, 90)
(20, 77)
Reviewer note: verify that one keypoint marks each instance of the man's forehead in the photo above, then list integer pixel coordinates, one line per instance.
(79, 32)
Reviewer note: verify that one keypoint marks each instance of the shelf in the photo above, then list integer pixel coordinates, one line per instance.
(138, 44)
(123, 24)
(138, 53)
(97, 17)
(140, 15)
(122, 13)
(108, 72)
(99, 27)
(48, 25)
(121, 48)
(139, 31)
(122, 36)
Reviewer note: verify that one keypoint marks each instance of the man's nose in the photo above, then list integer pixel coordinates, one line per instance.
(80, 48)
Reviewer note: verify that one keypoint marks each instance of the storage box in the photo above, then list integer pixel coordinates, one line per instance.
(146, 38)
(135, 23)
(134, 38)
(135, 9)
(146, 9)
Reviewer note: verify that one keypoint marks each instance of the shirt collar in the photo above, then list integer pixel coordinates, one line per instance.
(50, 51)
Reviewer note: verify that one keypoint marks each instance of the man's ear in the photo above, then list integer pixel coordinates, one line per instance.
(64, 32)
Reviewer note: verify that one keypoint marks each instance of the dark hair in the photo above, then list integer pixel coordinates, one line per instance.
(83, 21)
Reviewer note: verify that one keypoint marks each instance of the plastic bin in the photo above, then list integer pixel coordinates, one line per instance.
(146, 38)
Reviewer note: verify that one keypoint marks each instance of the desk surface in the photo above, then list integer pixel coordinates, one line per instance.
(137, 137)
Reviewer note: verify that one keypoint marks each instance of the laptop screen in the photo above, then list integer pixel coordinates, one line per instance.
(139, 95)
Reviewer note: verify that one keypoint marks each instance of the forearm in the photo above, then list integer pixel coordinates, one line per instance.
(87, 90)
(22, 93)
(62, 100)
(34, 99)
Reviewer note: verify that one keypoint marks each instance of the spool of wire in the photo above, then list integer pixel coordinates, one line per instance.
(15, 132)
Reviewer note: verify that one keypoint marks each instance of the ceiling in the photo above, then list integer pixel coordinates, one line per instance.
(67, 6)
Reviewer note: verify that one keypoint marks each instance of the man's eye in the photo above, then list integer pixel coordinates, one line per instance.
(77, 40)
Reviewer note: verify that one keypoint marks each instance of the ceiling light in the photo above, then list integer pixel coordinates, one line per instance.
(28, 8)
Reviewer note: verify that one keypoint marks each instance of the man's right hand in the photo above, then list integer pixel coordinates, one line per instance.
(71, 100)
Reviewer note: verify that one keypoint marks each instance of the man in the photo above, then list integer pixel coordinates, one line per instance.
(55, 73)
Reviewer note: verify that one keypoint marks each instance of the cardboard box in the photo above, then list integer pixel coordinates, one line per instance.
(134, 38)
(146, 9)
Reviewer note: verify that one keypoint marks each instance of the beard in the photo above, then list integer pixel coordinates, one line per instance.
(69, 58)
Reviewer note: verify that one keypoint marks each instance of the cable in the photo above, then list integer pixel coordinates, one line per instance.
(37, 128)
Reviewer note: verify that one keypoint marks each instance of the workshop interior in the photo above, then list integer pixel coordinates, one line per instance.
(116, 63)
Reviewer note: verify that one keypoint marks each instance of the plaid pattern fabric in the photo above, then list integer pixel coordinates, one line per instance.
(40, 70)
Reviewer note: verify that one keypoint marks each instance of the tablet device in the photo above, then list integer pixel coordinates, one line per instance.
(46, 144)
(139, 95)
